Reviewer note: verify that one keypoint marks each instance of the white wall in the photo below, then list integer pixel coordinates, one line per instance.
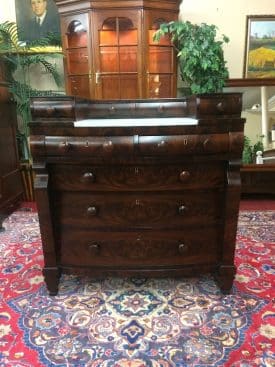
(7, 10)
(230, 18)
(228, 15)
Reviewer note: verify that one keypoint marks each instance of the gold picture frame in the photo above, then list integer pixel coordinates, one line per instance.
(26, 20)
(259, 57)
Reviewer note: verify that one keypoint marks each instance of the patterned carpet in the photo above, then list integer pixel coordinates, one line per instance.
(136, 322)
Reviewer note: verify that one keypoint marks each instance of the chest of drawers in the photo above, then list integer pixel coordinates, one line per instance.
(138, 199)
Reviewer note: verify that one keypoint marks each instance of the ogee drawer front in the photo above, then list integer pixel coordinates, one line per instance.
(187, 144)
(85, 146)
(218, 105)
(137, 177)
(88, 248)
(137, 210)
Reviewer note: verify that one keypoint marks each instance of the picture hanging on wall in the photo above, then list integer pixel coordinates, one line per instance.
(37, 19)
(259, 58)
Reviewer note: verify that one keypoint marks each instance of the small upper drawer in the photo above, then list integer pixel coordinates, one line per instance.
(228, 104)
(137, 177)
(183, 144)
(85, 146)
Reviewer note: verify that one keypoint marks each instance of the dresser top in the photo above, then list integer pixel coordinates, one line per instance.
(75, 109)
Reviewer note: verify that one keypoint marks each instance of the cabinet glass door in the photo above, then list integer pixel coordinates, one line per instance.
(77, 57)
(117, 69)
(160, 65)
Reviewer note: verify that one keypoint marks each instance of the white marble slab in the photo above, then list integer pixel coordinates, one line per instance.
(128, 122)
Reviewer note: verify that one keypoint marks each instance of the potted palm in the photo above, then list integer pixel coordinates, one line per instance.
(201, 60)
(17, 58)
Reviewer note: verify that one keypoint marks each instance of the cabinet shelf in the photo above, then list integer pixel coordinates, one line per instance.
(76, 48)
(251, 82)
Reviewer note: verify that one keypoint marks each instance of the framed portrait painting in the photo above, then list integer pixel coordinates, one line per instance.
(259, 58)
(36, 19)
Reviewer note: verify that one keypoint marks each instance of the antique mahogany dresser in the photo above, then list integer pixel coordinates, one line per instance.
(138, 187)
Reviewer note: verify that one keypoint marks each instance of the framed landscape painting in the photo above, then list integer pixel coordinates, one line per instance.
(259, 58)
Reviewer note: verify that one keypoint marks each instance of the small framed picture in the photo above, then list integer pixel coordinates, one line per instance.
(259, 58)
(36, 19)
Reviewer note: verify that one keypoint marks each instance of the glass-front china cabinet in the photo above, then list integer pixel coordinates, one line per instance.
(109, 48)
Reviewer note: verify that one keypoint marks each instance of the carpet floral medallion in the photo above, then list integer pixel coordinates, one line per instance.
(117, 322)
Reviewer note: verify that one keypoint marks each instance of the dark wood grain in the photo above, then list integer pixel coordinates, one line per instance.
(258, 179)
(162, 201)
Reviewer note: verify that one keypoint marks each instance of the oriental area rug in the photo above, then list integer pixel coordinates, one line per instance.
(116, 322)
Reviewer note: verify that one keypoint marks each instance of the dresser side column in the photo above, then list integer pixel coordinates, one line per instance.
(226, 269)
(51, 270)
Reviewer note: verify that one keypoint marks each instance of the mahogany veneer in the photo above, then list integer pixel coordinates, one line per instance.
(258, 179)
(138, 200)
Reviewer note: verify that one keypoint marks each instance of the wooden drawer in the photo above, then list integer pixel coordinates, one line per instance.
(87, 248)
(258, 179)
(139, 145)
(183, 144)
(88, 146)
(219, 104)
(137, 177)
(137, 210)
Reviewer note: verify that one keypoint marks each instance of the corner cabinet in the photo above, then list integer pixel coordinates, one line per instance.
(109, 49)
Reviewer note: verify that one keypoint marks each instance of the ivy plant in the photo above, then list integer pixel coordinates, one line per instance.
(200, 54)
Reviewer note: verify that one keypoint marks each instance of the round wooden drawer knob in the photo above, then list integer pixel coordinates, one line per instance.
(221, 106)
(88, 177)
(92, 210)
(184, 176)
(182, 209)
(183, 248)
(108, 146)
(162, 144)
(207, 144)
(94, 248)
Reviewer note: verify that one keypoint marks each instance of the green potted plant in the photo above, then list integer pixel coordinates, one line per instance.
(250, 150)
(20, 57)
(17, 58)
(201, 60)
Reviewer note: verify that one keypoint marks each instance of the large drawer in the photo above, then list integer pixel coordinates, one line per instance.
(87, 248)
(137, 177)
(137, 210)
